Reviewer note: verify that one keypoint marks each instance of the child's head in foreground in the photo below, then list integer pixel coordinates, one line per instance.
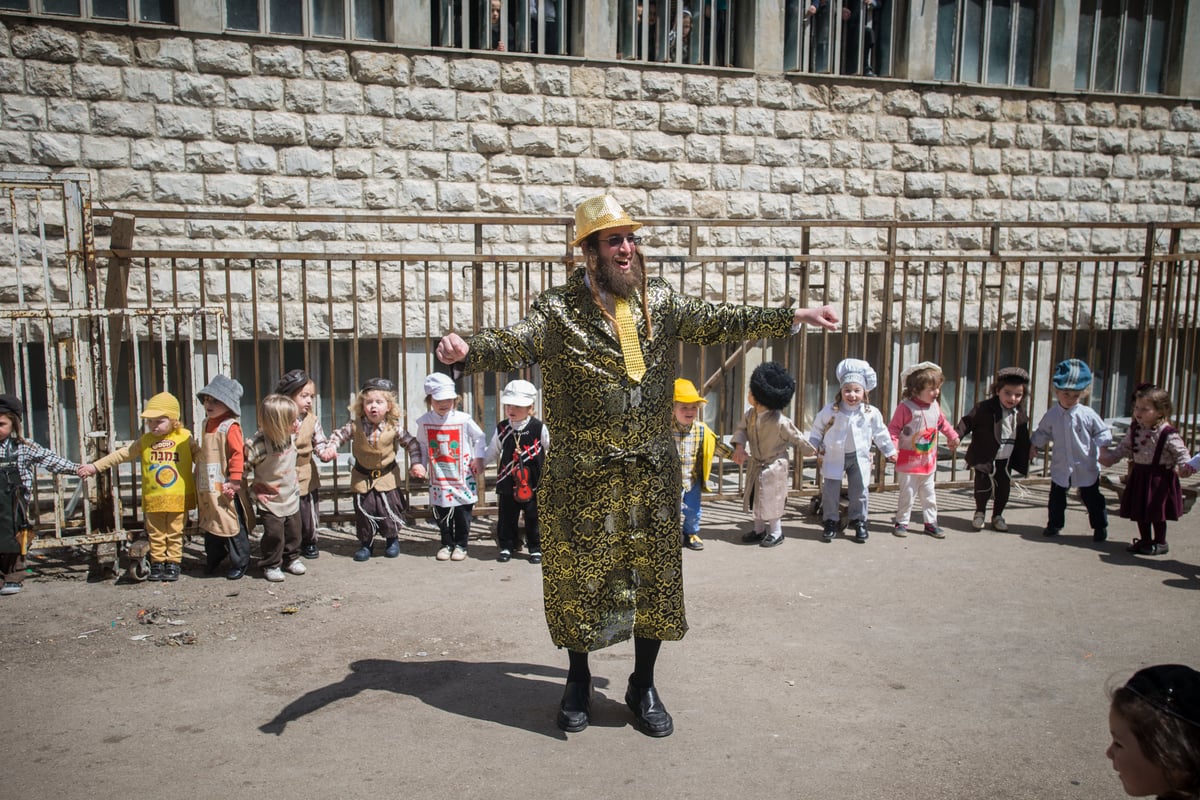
(771, 386)
(687, 402)
(923, 382)
(1155, 724)
(1010, 386)
(856, 378)
(1072, 378)
(277, 415)
(518, 398)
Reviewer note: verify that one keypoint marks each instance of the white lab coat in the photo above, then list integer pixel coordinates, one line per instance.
(836, 430)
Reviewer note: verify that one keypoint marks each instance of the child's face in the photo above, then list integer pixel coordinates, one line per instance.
(930, 394)
(685, 413)
(443, 407)
(1067, 398)
(375, 406)
(1139, 776)
(304, 398)
(758, 407)
(214, 408)
(159, 426)
(1010, 395)
(516, 414)
(6, 427)
(1146, 414)
(852, 394)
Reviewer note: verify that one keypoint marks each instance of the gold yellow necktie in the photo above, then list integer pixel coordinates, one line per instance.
(630, 347)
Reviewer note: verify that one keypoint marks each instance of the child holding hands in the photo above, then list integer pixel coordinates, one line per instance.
(166, 451)
(767, 435)
(18, 457)
(1078, 434)
(999, 430)
(1152, 494)
(519, 447)
(309, 438)
(696, 444)
(376, 434)
(219, 463)
(842, 434)
(272, 455)
(1155, 724)
(914, 428)
(454, 445)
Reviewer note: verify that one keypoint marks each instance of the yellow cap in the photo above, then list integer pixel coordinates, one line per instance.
(685, 392)
(599, 214)
(163, 404)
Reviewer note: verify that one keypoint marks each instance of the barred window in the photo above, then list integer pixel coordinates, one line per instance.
(161, 11)
(676, 31)
(851, 37)
(335, 19)
(986, 41)
(523, 26)
(1123, 45)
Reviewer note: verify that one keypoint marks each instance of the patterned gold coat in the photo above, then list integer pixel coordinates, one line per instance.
(609, 500)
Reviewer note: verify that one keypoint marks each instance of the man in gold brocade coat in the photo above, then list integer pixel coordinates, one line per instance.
(607, 344)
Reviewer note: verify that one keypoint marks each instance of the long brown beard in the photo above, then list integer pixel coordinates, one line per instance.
(616, 282)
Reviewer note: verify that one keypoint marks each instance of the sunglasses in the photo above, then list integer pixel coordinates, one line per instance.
(617, 240)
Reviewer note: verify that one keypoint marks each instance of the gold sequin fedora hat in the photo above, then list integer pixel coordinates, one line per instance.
(599, 214)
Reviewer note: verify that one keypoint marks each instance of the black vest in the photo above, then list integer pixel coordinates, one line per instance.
(528, 442)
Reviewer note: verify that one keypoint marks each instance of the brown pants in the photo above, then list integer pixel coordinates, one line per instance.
(165, 531)
(12, 565)
(280, 540)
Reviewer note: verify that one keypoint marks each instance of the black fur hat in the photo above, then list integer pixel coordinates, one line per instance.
(772, 386)
(11, 404)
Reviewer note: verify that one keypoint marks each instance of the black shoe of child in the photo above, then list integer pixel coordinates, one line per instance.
(393, 548)
(535, 557)
(1051, 531)
(363, 553)
(752, 537)
(235, 574)
(770, 540)
(504, 556)
(860, 530)
(156, 572)
(170, 571)
(1100, 535)
(1138, 546)
(309, 551)
(831, 530)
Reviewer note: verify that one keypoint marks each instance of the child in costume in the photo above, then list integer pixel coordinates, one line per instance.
(1078, 434)
(1155, 724)
(1152, 493)
(519, 447)
(767, 435)
(167, 452)
(842, 434)
(914, 429)
(999, 429)
(18, 457)
(696, 444)
(271, 454)
(224, 517)
(376, 434)
(454, 446)
(309, 438)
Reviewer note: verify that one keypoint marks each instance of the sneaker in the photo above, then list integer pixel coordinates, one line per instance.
(535, 557)
(309, 551)
(443, 554)
(393, 548)
(899, 529)
(296, 567)
(860, 530)
(156, 571)
(771, 539)
(752, 537)
(170, 571)
(458, 555)
(1051, 531)
(934, 531)
(505, 556)
(694, 542)
(998, 524)
(1100, 535)
(829, 531)
(363, 553)
(273, 574)
(977, 521)
(10, 588)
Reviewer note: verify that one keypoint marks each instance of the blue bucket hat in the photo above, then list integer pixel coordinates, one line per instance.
(1073, 375)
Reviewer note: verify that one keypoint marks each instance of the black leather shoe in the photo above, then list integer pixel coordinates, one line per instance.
(156, 571)
(309, 551)
(860, 531)
(753, 536)
(829, 530)
(1100, 535)
(504, 556)
(535, 557)
(771, 540)
(575, 706)
(648, 708)
(170, 571)
(235, 574)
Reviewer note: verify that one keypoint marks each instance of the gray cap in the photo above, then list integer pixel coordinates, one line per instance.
(224, 390)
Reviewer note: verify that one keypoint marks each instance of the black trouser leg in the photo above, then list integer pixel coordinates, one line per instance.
(645, 654)
(578, 669)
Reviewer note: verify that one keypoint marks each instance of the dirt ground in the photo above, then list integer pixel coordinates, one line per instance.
(975, 666)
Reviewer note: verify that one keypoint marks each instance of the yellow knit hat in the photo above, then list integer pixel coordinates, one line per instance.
(599, 214)
(163, 404)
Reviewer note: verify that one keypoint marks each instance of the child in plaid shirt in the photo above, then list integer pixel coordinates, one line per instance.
(697, 444)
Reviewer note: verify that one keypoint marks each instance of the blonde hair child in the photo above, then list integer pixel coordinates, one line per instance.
(310, 439)
(271, 454)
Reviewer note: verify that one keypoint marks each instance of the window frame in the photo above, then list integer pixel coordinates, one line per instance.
(985, 38)
(87, 13)
(1174, 9)
(307, 15)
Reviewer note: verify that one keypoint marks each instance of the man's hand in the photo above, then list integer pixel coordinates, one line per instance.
(822, 316)
(452, 349)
